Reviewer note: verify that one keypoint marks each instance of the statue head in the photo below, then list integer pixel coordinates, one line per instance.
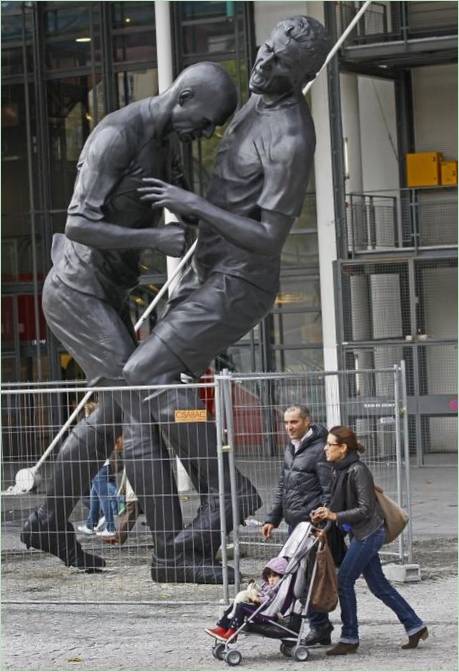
(205, 96)
(290, 57)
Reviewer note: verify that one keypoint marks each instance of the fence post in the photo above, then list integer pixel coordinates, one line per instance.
(221, 481)
(228, 404)
(409, 531)
(398, 452)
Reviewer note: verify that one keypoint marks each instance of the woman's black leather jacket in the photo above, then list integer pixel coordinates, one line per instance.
(362, 511)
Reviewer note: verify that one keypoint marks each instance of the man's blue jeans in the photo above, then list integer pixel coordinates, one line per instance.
(362, 558)
(103, 496)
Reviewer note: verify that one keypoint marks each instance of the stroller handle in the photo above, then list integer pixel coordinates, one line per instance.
(325, 528)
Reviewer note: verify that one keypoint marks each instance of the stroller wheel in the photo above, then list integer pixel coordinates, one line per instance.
(286, 650)
(218, 651)
(233, 658)
(300, 653)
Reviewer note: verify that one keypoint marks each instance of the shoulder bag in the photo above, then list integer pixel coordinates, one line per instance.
(395, 518)
(324, 593)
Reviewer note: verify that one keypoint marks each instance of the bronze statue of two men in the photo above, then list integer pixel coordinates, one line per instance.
(127, 172)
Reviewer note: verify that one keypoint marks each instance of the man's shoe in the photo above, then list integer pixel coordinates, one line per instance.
(413, 640)
(189, 569)
(218, 632)
(342, 649)
(322, 636)
(43, 536)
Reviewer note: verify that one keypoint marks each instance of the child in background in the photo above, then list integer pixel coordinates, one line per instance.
(230, 622)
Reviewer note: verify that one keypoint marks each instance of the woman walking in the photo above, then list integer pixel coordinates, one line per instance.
(354, 508)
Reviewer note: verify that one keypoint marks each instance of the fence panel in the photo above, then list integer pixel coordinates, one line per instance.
(370, 401)
(239, 416)
(180, 422)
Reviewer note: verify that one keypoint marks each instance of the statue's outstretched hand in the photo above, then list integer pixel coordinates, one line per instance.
(164, 195)
(172, 240)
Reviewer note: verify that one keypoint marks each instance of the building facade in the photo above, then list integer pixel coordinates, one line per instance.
(369, 269)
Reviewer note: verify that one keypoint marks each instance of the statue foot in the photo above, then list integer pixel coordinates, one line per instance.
(189, 569)
(40, 533)
(199, 533)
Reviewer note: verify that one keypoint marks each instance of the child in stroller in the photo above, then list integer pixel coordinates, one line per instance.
(252, 598)
(280, 611)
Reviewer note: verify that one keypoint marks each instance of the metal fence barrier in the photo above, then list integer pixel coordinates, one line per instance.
(238, 416)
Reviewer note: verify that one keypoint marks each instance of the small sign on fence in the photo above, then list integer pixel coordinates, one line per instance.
(191, 415)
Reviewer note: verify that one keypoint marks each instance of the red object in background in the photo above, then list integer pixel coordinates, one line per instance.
(26, 313)
(249, 428)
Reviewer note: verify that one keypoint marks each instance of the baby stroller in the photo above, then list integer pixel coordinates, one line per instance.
(291, 596)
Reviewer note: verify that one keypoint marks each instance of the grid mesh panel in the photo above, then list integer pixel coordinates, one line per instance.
(366, 401)
(363, 400)
(378, 222)
(376, 299)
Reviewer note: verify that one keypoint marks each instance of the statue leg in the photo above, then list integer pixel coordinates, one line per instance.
(101, 341)
(86, 448)
(149, 469)
(196, 445)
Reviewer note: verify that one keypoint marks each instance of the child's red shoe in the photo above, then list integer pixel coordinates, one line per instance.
(218, 632)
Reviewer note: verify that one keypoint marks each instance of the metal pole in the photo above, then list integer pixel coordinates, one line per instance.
(232, 470)
(338, 44)
(409, 530)
(36, 307)
(398, 452)
(165, 78)
(221, 482)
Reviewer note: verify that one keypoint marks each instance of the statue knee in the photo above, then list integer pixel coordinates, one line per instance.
(137, 372)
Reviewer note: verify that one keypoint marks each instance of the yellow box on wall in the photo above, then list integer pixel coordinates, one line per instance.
(448, 172)
(423, 169)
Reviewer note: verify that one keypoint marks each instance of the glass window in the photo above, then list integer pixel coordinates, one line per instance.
(15, 186)
(205, 10)
(296, 361)
(74, 104)
(135, 47)
(72, 35)
(67, 18)
(211, 27)
(128, 15)
(16, 24)
(135, 85)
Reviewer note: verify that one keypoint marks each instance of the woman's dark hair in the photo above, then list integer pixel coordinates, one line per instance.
(347, 436)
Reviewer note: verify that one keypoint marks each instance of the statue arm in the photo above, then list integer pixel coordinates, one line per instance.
(103, 235)
(103, 166)
(265, 237)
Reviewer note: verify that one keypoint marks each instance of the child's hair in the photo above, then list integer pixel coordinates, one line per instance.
(267, 572)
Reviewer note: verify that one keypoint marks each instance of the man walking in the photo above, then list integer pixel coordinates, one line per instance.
(304, 485)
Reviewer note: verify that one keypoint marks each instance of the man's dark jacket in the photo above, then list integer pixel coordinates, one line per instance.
(305, 480)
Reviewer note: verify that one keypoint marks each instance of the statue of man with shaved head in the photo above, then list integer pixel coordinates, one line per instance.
(85, 295)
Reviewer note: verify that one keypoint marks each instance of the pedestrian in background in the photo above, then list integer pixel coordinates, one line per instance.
(104, 497)
(354, 508)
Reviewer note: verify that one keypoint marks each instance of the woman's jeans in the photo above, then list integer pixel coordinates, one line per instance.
(103, 495)
(362, 558)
